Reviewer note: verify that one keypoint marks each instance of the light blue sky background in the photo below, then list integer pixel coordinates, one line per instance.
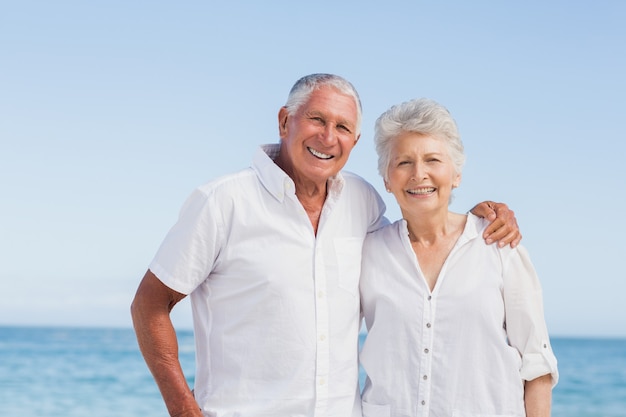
(112, 112)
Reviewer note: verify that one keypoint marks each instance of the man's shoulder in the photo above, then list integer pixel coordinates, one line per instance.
(222, 194)
(355, 181)
(387, 230)
(351, 176)
(233, 181)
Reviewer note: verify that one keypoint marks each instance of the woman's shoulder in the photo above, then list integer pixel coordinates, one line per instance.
(477, 225)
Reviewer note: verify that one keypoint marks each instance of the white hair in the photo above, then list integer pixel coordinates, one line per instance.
(422, 116)
(302, 89)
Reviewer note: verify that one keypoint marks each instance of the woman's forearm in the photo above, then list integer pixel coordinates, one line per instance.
(538, 396)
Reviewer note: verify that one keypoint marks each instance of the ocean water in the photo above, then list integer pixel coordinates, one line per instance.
(67, 372)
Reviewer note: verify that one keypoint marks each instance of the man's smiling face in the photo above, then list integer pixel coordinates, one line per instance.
(317, 139)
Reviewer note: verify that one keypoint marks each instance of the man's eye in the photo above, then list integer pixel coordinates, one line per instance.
(344, 128)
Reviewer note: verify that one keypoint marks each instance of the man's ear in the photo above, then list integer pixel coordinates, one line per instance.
(357, 139)
(283, 114)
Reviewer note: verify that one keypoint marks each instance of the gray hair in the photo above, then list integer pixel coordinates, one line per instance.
(302, 89)
(422, 116)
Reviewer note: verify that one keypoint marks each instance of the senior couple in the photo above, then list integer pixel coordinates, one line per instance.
(281, 261)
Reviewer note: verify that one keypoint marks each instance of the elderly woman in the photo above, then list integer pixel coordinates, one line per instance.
(455, 326)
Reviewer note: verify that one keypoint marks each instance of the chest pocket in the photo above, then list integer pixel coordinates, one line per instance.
(348, 263)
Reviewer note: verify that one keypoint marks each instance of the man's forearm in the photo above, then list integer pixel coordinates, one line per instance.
(159, 346)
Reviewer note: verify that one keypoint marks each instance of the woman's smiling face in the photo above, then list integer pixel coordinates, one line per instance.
(421, 174)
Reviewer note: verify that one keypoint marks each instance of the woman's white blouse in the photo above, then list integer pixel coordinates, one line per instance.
(463, 349)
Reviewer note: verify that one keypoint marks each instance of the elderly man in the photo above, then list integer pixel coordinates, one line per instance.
(270, 257)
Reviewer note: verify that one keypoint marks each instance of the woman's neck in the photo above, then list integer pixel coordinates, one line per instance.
(432, 239)
(427, 228)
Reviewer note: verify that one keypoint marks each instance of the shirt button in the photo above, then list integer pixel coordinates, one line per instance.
(423, 402)
(425, 377)
(426, 350)
(322, 337)
(430, 297)
(428, 325)
(322, 381)
(320, 294)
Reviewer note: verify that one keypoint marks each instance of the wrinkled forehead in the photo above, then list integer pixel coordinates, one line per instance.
(330, 102)
(329, 94)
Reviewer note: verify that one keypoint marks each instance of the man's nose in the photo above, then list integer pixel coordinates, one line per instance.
(329, 135)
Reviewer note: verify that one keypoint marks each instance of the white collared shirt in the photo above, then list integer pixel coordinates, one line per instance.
(462, 350)
(276, 308)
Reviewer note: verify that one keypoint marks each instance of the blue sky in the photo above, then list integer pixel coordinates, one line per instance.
(112, 112)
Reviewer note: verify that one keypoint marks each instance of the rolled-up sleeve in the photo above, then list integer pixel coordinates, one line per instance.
(525, 323)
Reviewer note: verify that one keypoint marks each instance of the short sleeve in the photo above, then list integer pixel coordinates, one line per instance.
(188, 252)
(377, 217)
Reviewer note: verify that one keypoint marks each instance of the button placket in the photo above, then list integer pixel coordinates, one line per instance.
(322, 332)
(426, 358)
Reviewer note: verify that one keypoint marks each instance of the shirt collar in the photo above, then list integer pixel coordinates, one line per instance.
(277, 182)
(473, 227)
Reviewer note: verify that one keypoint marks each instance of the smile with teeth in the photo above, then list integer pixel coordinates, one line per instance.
(319, 154)
(421, 191)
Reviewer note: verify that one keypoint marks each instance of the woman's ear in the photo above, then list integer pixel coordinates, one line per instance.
(457, 181)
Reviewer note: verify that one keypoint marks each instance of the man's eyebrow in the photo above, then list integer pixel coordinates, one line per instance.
(346, 123)
(342, 121)
(314, 113)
